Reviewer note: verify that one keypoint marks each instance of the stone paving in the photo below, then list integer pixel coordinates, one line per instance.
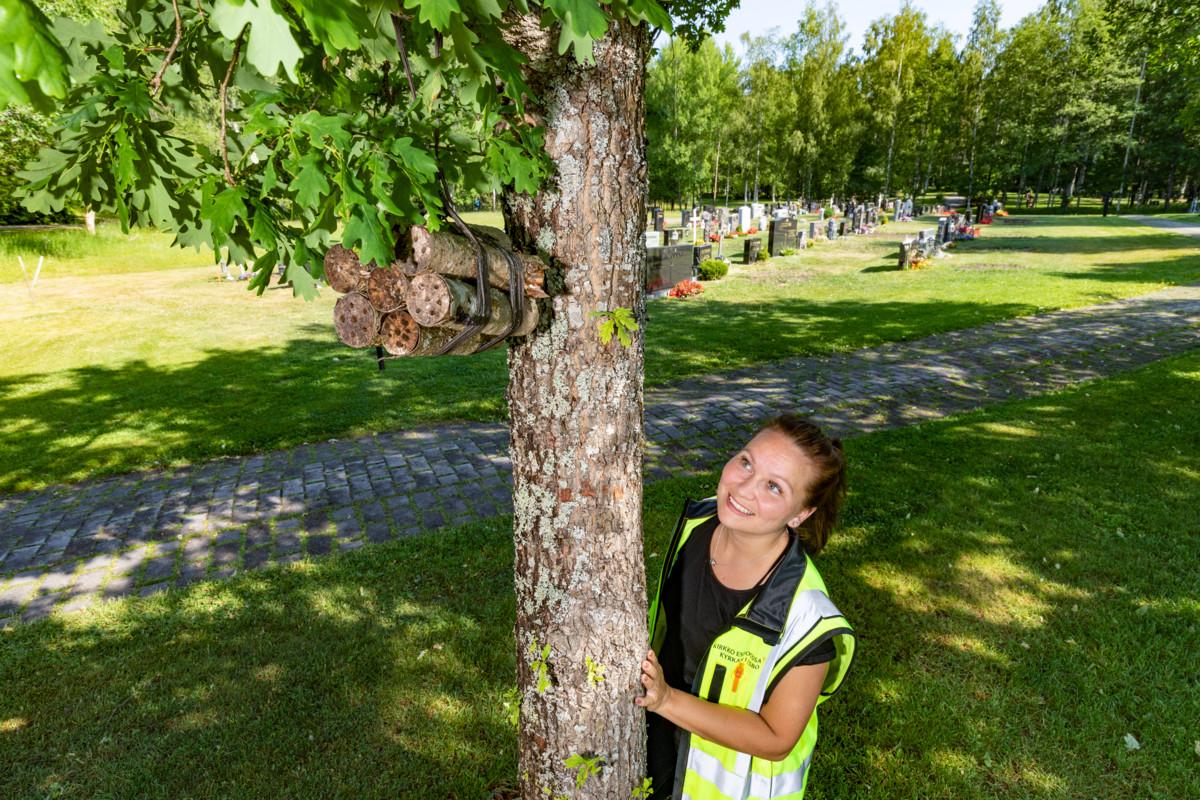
(1173, 225)
(66, 547)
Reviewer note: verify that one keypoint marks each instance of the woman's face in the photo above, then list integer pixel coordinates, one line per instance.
(764, 487)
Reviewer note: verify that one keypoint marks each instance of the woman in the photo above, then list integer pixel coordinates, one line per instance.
(745, 641)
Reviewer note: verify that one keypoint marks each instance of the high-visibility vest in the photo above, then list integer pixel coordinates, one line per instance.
(789, 616)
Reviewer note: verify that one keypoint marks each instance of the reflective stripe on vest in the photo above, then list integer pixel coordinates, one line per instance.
(744, 667)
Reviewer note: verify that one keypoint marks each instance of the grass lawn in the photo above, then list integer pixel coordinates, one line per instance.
(1022, 581)
(108, 373)
(72, 253)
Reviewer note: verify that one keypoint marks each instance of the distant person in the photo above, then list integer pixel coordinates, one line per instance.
(1107, 203)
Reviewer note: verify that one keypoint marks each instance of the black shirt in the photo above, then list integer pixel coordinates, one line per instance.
(696, 608)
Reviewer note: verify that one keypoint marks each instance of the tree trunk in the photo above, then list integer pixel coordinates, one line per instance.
(717, 169)
(575, 407)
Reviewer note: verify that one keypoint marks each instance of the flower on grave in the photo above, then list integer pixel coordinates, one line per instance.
(714, 237)
(685, 288)
(752, 231)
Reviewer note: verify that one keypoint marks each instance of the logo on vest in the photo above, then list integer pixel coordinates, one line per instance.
(737, 674)
(743, 658)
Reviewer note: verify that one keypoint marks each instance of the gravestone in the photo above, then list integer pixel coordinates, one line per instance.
(653, 239)
(744, 218)
(757, 210)
(685, 217)
(842, 228)
(674, 235)
(667, 266)
(701, 253)
(658, 222)
(831, 229)
(782, 236)
(812, 230)
(750, 249)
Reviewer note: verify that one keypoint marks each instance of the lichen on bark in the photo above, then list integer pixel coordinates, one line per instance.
(576, 425)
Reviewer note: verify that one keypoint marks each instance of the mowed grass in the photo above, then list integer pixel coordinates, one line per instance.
(110, 373)
(1022, 581)
(72, 253)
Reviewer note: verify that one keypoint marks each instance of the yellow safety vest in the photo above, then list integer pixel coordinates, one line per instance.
(790, 615)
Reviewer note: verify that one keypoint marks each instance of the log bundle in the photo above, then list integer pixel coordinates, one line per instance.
(421, 301)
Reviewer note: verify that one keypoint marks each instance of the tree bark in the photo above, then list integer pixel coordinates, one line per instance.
(575, 408)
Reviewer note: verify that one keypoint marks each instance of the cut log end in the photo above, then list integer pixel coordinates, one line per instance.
(356, 321)
(399, 333)
(387, 289)
(343, 271)
(429, 299)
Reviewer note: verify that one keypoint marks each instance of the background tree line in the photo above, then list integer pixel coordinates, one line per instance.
(1046, 106)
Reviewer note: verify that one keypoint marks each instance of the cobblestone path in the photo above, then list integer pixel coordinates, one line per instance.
(67, 547)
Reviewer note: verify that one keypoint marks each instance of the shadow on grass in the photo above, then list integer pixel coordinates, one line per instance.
(1020, 601)
(100, 420)
(1178, 270)
(378, 674)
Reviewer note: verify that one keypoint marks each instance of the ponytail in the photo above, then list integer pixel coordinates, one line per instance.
(828, 490)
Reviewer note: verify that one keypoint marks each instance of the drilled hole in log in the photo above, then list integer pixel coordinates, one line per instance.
(343, 271)
(356, 321)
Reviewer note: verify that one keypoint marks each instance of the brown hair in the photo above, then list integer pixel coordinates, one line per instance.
(829, 489)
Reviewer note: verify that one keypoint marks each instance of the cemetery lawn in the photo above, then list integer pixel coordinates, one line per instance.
(107, 373)
(1022, 583)
(71, 252)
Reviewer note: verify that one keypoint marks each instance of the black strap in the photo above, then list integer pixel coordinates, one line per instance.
(483, 298)
(516, 299)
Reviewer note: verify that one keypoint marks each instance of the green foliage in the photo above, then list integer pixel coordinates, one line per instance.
(33, 64)
(619, 321)
(586, 767)
(24, 131)
(762, 255)
(644, 791)
(712, 270)
(321, 132)
(689, 95)
(595, 671)
(539, 662)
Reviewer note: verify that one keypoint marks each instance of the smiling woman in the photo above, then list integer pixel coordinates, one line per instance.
(746, 642)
